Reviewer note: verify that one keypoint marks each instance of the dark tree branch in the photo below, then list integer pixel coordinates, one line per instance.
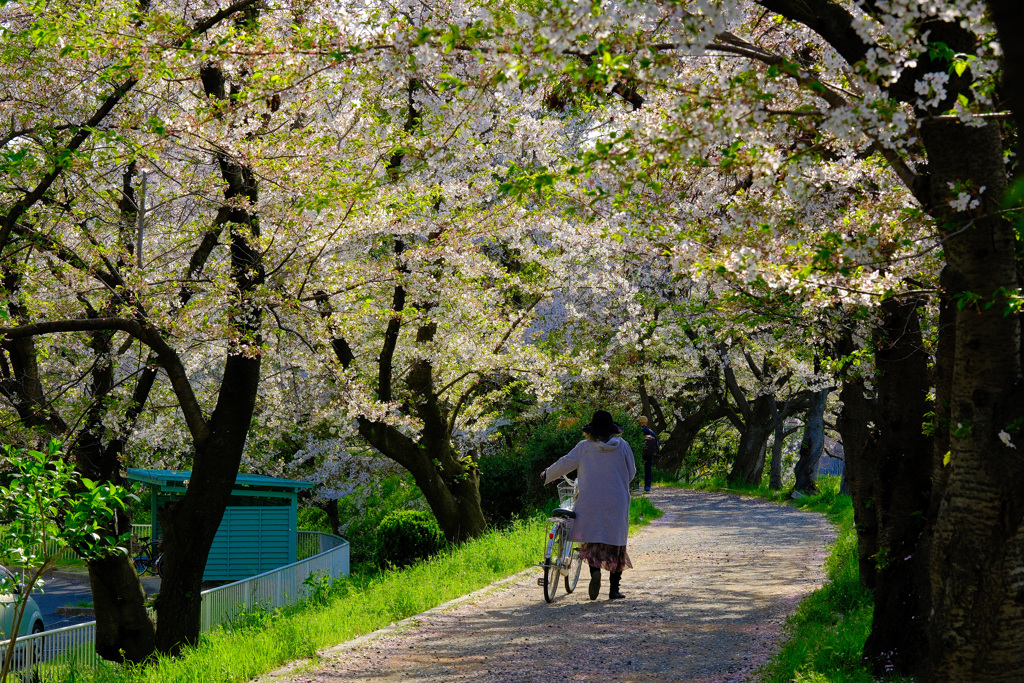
(169, 360)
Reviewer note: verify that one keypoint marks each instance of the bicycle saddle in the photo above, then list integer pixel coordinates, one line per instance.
(562, 512)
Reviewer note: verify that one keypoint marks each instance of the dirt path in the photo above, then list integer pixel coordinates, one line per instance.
(713, 580)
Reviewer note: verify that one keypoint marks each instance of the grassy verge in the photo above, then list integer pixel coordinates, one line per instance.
(641, 512)
(259, 642)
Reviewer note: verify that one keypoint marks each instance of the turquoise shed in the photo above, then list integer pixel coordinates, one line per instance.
(259, 530)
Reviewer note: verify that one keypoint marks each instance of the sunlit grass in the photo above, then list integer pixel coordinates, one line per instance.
(642, 511)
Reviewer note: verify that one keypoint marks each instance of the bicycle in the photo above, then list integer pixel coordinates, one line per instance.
(149, 558)
(561, 555)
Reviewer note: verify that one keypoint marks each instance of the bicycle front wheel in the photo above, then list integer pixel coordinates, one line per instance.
(553, 562)
(575, 564)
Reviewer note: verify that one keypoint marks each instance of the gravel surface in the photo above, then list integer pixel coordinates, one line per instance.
(713, 580)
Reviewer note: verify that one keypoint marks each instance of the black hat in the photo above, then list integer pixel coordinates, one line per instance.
(602, 426)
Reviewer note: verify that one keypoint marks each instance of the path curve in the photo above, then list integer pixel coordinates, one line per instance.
(713, 580)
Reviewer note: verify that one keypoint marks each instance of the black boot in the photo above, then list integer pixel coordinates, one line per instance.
(613, 586)
(595, 582)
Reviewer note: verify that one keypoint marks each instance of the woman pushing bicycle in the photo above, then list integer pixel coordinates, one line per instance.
(605, 466)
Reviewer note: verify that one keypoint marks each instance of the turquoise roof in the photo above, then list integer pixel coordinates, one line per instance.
(171, 478)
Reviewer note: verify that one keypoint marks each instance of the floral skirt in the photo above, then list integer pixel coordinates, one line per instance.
(610, 557)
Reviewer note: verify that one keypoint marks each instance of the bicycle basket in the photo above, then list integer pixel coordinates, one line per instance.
(566, 495)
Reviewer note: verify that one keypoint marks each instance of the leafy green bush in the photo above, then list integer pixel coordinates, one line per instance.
(312, 518)
(405, 537)
(504, 482)
(510, 485)
(360, 515)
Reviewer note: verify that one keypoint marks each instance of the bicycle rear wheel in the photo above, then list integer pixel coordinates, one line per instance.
(141, 563)
(553, 562)
(575, 564)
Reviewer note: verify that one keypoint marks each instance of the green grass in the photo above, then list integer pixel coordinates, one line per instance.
(258, 642)
(642, 511)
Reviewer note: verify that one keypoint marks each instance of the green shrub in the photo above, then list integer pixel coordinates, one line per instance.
(503, 487)
(510, 485)
(405, 537)
(314, 519)
(361, 515)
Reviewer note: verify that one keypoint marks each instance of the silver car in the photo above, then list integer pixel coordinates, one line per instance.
(31, 622)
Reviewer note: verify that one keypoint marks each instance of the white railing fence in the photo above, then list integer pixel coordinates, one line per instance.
(53, 655)
(276, 588)
(315, 542)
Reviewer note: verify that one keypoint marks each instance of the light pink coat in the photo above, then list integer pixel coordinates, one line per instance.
(604, 473)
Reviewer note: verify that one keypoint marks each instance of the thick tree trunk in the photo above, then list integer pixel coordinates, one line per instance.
(902, 483)
(191, 523)
(450, 485)
(124, 631)
(977, 549)
(812, 443)
(680, 438)
(859, 442)
(1008, 16)
(455, 504)
(748, 468)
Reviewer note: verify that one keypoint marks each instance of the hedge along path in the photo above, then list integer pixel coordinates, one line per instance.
(713, 580)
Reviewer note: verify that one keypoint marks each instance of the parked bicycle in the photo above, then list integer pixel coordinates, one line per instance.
(149, 558)
(561, 555)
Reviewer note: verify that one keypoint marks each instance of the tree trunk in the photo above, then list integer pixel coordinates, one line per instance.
(20, 381)
(977, 549)
(331, 508)
(859, 442)
(902, 482)
(124, 631)
(680, 439)
(191, 522)
(775, 470)
(1008, 16)
(456, 505)
(812, 444)
(451, 486)
(748, 468)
